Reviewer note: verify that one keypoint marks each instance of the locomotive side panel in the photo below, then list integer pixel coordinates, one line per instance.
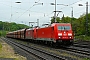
(45, 34)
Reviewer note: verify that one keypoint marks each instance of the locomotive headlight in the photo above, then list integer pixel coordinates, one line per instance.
(59, 34)
(70, 37)
(59, 37)
(69, 34)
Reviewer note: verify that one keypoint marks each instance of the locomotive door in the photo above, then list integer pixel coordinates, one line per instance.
(32, 34)
(52, 33)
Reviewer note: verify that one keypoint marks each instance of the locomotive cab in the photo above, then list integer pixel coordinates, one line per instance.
(64, 33)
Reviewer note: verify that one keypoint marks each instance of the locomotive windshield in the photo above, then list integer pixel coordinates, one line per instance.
(63, 27)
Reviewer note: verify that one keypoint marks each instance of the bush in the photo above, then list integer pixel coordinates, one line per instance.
(3, 33)
(82, 38)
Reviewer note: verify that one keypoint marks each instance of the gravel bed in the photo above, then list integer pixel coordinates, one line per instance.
(23, 53)
(7, 52)
(7, 59)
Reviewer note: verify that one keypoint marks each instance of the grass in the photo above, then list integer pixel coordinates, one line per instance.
(0, 45)
(86, 59)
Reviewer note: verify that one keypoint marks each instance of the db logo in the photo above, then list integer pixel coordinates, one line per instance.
(65, 34)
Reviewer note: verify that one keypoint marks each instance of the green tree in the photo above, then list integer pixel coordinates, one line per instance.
(6, 26)
(53, 19)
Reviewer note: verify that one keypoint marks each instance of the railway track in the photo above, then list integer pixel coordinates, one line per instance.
(41, 54)
(83, 45)
(78, 51)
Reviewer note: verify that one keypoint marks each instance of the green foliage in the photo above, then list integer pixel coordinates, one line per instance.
(66, 19)
(11, 26)
(3, 33)
(86, 59)
(53, 19)
(6, 26)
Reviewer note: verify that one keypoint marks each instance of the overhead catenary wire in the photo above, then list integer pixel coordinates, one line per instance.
(64, 7)
(19, 8)
(22, 9)
(23, 13)
(26, 11)
(61, 8)
(11, 11)
(70, 5)
(43, 13)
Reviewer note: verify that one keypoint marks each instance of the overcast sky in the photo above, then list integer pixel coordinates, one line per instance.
(29, 11)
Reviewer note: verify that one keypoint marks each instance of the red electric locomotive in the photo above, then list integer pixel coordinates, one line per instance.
(31, 34)
(59, 33)
(56, 33)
